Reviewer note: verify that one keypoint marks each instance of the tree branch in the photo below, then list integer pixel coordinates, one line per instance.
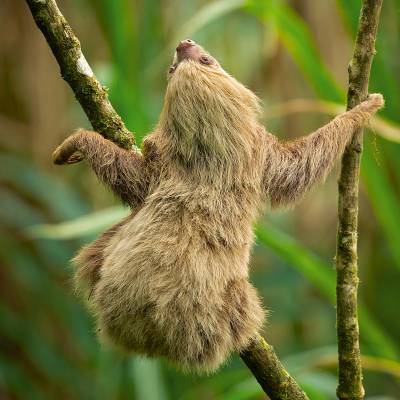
(76, 71)
(272, 376)
(350, 373)
(259, 356)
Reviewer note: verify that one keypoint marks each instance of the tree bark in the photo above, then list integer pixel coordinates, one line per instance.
(350, 372)
(259, 356)
(272, 376)
(75, 70)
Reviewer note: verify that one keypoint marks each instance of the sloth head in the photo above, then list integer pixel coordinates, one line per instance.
(196, 74)
(189, 50)
(206, 111)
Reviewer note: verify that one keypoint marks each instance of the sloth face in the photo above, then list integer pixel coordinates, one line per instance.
(190, 50)
(202, 97)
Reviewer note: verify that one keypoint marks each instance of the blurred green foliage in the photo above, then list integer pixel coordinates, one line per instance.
(48, 344)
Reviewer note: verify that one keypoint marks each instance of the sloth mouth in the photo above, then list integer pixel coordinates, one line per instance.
(185, 44)
(188, 50)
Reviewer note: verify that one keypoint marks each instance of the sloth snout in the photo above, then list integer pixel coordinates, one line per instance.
(185, 44)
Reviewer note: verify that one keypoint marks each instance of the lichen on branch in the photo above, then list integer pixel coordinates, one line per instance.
(272, 376)
(350, 372)
(75, 70)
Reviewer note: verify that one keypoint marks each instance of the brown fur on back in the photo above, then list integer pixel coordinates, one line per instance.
(171, 280)
(91, 257)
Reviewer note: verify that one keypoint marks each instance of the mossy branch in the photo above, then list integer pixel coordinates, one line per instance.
(259, 356)
(272, 376)
(75, 70)
(350, 373)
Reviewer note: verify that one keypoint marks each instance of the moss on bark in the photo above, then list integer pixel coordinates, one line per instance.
(272, 376)
(76, 71)
(350, 371)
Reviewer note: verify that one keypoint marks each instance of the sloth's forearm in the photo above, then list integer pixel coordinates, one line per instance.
(120, 169)
(299, 164)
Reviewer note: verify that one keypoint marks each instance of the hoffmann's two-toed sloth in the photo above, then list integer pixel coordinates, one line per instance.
(171, 279)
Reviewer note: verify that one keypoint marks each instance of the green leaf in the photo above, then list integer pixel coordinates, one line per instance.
(383, 198)
(40, 187)
(322, 276)
(43, 356)
(15, 213)
(298, 40)
(87, 225)
(384, 76)
(319, 385)
(350, 10)
(205, 15)
(147, 377)
(318, 272)
(245, 390)
(34, 281)
(12, 374)
(108, 373)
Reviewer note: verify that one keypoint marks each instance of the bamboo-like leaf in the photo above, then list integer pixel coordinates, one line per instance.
(11, 376)
(384, 77)
(204, 16)
(32, 183)
(43, 356)
(326, 357)
(383, 199)
(321, 274)
(108, 373)
(319, 385)
(35, 282)
(80, 227)
(147, 379)
(299, 42)
(210, 12)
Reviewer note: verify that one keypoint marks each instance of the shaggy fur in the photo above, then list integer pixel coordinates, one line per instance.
(171, 279)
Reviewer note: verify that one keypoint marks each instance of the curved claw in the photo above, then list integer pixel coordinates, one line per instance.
(66, 153)
(75, 158)
(57, 156)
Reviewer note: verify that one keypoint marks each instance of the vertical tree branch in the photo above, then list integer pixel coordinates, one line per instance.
(350, 372)
(76, 71)
(259, 356)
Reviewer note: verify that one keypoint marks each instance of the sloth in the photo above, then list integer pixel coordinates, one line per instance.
(171, 280)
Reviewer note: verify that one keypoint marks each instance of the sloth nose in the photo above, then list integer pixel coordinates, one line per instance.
(185, 44)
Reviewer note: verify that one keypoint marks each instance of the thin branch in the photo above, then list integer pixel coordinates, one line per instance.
(350, 373)
(259, 356)
(75, 70)
(272, 376)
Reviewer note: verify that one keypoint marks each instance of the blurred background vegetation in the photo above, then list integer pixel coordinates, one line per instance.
(294, 55)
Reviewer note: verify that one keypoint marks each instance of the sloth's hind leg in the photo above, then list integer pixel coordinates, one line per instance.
(196, 339)
(199, 336)
(244, 310)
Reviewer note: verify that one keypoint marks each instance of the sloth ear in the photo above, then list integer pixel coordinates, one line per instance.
(206, 59)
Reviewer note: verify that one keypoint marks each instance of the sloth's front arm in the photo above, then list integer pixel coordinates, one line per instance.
(292, 168)
(124, 171)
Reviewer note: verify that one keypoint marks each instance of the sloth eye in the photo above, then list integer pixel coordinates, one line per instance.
(171, 69)
(206, 60)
